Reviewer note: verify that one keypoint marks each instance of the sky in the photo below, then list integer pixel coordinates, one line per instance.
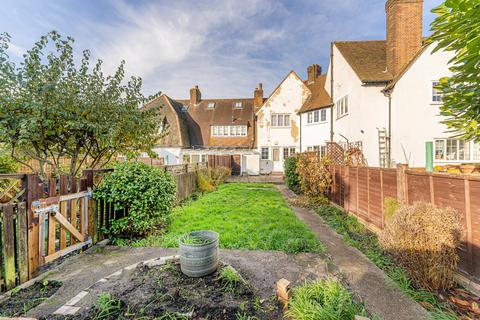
(226, 47)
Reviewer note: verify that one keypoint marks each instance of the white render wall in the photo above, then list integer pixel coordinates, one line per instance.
(368, 109)
(286, 99)
(416, 118)
(171, 156)
(315, 134)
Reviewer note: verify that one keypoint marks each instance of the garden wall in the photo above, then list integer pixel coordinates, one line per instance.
(362, 190)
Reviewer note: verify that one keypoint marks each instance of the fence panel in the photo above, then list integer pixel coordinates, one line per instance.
(13, 240)
(365, 189)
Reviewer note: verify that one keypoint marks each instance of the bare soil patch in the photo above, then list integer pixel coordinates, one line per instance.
(164, 292)
(25, 299)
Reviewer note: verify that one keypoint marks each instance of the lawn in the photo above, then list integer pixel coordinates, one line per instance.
(246, 215)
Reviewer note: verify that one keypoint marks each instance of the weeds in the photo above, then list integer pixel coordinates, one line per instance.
(230, 279)
(107, 307)
(194, 240)
(323, 299)
(357, 235)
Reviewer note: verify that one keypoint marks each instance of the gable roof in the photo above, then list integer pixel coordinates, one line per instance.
(319, 97)
(278, 86)
(368, 59)
(400, 74)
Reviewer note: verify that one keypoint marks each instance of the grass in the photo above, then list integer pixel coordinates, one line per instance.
(323, 299)
(107, 307)
(230, 279)
(246, 216)
(357, 235)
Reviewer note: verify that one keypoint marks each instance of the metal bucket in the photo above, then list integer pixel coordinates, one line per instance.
(198, 260)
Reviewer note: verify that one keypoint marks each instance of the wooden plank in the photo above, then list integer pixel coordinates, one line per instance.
(432, 189)
(8, 246)
(66, 251)
(63, 210)
(73, 217)
(89, 215)
(22, 245)
(30, 184)
(382, 199)
(65, 224)
(41, 238)
(82, 221)
(468, 222)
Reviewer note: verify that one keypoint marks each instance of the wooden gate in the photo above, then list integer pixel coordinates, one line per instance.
(63, 224)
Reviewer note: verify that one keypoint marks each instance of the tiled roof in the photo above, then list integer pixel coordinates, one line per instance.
(367, 58)
(199, 118)
(319, 97)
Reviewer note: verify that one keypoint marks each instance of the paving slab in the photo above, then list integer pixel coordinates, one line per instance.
(379, 293)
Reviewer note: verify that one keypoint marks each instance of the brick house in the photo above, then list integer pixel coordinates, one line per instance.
(201, 128)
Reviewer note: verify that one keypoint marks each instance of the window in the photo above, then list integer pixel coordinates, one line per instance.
(237, 105)
(436, 94)
(186, 158)
(285, 153)
(204, 158)
(316, 116)
(323, 115)
(229, 131)
(292, 151)
(280, 120)
(276, 154)
(323, 151)
(288, 152)
(195, 158)
(342, 107)
(211, 105)
(309, 117)
(454, 150)
(264, 153)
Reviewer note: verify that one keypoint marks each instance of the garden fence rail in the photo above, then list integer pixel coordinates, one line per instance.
(362, 191)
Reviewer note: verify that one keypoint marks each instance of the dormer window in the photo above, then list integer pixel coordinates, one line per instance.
(211, 105)
(237, 105)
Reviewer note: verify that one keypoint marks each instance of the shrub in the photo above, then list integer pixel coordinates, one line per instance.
(7, 164)
(323, 299)
(314, 176)
(147, 194)
(208, 180)
(291, 175)
(423, 239)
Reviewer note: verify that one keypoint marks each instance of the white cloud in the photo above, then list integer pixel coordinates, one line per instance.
(17, 51)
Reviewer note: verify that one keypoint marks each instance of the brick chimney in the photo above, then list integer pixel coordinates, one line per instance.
(404, 32)
(313, 72)
(258, 97)
(195, 96)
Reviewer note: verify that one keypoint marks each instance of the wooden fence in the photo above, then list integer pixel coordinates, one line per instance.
(362, 190)
(49, 219)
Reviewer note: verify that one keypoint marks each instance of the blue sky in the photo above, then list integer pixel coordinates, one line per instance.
(226, 47)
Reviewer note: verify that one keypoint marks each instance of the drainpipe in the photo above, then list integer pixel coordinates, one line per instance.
(300, 132)
(331, 91)
(389, 96)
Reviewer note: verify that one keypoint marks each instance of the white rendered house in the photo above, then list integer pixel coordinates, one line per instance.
(278, 125)
(384, 94)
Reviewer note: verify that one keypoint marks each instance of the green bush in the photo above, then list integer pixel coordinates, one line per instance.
(147, 194)
(7, 164)
(291, 176)
(208, 180)
(323, 299)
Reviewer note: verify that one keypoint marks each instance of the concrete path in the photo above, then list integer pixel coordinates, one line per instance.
(261, 268)
(379, 293)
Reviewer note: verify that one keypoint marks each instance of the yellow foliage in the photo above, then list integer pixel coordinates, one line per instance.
(314, 175)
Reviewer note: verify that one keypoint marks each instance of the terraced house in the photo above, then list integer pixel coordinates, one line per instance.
(197, 130)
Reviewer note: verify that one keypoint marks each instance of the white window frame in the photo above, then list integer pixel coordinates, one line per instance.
(238, 105)
(285, 120)
(442, 145)
(229, 131)
(309, 117)
(211, 106)
(342, 107)
(434, 93)
(323, 115)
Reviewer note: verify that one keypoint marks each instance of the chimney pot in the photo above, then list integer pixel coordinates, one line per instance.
(313, 72)
(258, 97)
